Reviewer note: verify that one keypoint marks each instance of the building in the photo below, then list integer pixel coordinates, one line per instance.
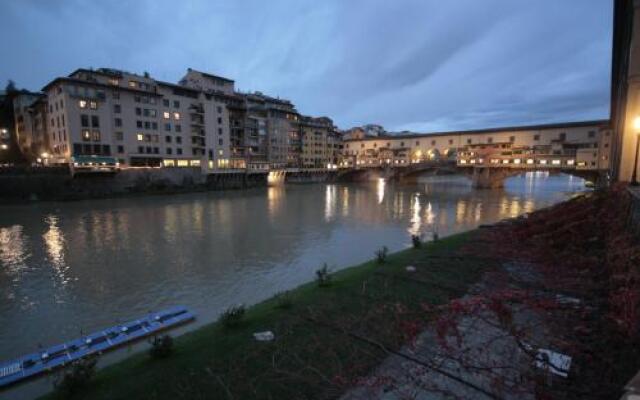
(586, 145)
(320, 139)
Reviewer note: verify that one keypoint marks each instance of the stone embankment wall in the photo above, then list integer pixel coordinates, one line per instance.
(57, 183)
(310, 176)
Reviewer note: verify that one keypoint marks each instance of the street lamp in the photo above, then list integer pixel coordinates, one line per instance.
(3, 146)
(636, 125)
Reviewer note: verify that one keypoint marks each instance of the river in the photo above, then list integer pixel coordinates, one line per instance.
(67, 268)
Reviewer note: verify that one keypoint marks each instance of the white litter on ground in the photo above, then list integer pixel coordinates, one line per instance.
(265, 336)
(556, 363)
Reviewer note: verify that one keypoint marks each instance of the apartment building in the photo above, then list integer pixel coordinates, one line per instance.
(320, 142)
(583, 145)
(134, 118)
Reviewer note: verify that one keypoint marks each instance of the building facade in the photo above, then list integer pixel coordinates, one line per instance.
(583, 145)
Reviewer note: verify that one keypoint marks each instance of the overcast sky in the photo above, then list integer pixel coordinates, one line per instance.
(417, 65)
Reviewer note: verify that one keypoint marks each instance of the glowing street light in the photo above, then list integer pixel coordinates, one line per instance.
(4, 146)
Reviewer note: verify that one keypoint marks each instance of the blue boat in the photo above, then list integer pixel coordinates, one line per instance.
(60, 355)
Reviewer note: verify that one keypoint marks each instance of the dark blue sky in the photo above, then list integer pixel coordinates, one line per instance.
(421, 65)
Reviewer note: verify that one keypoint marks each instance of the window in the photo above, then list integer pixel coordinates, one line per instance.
(469, 141)
(84, 120)
(176, 104)
(178, 128)
(490, 140)
(139, 124)
(116, 95)
(138, 111)
(121, 149)
(166, 115)
(152, 100)
(95, 135)
(165, 102)
(169, 150)
(219, 120)
(140, 137)
(219, 110)
(536, 137)
(119, 136)
(433, 142)
(146, 112)
(117, 108)
(178, 139)
(147, 125)
(176, 116)
(95, 121)
(118, 122)
(86, 135)
(417, 143)
(153, 113)
(136, 99)
(450, 141)
(93, 105)
(154, 126)
(167, 139)
(82, 104)
(178, 150)
(114, 81)
(562, 136)
(512, 139)
(167, 127)
(156, 150)
(133, 84)
(220, 142)
(219, 131)
(140, 150)
(592, 134)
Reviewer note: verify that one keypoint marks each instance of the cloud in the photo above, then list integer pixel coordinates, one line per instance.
(418, 64)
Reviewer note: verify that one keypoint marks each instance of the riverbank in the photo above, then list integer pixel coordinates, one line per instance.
(57, 183)
(312, 355)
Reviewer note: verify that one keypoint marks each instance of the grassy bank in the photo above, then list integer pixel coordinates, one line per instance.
(316, 353)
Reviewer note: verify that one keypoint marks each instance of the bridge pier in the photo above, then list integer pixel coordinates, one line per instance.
(491, 178)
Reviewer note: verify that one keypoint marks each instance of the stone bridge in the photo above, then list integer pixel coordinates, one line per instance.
(481, 176)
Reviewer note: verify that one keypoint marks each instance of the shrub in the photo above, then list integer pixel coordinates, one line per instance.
(161, 346)
(75, 377)
(284, 300)
(381, 255)
(233, 316)
(417, 241)
(323, 276)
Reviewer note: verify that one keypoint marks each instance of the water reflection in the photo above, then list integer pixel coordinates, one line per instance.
(116, 259)
(53, 240)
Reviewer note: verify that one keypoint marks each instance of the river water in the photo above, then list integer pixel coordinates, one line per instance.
(67, 268)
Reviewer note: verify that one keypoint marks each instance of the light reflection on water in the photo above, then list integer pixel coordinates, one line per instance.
(67, 267)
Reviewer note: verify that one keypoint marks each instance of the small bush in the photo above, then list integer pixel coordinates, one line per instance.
(75, 377)
(161, 346)
(284, 300)
(381, 255)
(233, 316)
(323, 276)
(417, 241)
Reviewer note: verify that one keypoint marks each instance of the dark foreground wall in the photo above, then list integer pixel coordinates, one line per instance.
(57, 184)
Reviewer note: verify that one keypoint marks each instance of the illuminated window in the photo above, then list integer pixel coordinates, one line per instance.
(555, 162)
(86, 135)
(183, 163)
(140, 137)
(530, 161)
(93, 105)
(133, 84)
(176, 116)
(169, 163)
(571, 162)
(166, 115)
(95, 135)
(543, 162)
(516, 161)
(505, 161)
(82, 103)
(114, 81)
(463, 161)
(495, 161)
(195, 163)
